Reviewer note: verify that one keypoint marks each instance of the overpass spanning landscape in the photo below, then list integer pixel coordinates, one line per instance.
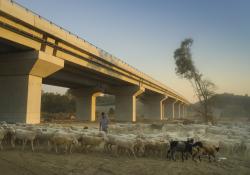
(35, 51)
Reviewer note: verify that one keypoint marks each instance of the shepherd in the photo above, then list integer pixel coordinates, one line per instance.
(104, 123)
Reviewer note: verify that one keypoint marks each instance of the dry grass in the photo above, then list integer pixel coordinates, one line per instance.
(14, 162)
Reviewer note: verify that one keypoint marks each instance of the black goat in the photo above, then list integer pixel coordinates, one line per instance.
(180, 146)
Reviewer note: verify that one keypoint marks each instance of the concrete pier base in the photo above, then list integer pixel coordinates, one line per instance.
(20, 98)
(20, 84)
(181, 110)
(169, 108)
(153, 106)
(125, 102)
(175, 110)
(184, 111)
(86, 103)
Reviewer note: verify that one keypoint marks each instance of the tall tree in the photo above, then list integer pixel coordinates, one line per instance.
(185, 68)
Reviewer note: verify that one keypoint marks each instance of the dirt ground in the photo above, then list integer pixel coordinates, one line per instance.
(16, 162)
(42, 162)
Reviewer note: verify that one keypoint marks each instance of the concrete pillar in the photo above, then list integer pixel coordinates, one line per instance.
(175, 109)
(184, 111)
(86, 103)
(125, 102)
(20, 98)
(153, 106)
(180, 110)
(168, 108)
(20, 84)
(164, 108)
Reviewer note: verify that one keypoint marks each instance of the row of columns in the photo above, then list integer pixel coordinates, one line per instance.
(174, 109)
(21, 77)
(125, 102)
(155, 106)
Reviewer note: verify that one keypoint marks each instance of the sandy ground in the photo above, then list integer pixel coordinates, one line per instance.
(16, 162)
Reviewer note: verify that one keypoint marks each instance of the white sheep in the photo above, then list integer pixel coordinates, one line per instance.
(88, 142)
(24, 136)
(139, 146)
(155, 147)
(125, 144)
(109, 141)
(44, 136)
(3, 132)
(63, 139)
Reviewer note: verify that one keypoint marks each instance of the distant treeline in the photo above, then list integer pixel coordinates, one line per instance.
(65, 103)
(230, 105)
(223, 100)
(57, 103)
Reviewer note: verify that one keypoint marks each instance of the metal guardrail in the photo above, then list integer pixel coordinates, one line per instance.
(113, 58)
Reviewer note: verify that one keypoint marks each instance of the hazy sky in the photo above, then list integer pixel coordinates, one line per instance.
(145, 33)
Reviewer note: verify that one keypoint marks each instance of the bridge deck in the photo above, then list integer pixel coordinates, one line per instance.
(30, 31)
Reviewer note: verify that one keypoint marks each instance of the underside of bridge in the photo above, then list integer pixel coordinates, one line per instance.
(26, 62)
(23, 70)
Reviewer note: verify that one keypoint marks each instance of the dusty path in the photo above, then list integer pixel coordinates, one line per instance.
(15, 162)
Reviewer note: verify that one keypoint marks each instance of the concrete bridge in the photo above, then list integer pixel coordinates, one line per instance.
(35, 51)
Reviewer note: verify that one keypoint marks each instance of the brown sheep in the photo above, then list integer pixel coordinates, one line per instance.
(205, 149)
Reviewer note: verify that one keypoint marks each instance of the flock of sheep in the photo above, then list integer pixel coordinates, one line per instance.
(130, 139)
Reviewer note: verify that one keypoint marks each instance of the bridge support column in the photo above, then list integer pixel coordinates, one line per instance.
(168, 108)
(20, 84)
(125, 102)
(182, 111)
(163, 116)
(153, 106)
(175, 110)
(86, 103)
